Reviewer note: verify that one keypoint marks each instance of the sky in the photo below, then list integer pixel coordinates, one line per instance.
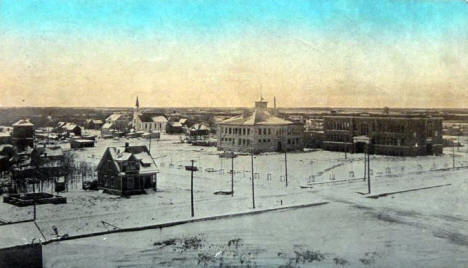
(219, 53)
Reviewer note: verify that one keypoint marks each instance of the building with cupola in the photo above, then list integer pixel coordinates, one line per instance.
(259, 131)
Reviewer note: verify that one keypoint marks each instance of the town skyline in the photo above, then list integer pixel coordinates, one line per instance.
(213, 54)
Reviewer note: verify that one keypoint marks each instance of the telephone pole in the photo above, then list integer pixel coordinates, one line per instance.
(453, 154)
(34, 200)
(253, 187)
(286, 168)
(232, 173)
(192, 169)
(191, 189)
(368, 171)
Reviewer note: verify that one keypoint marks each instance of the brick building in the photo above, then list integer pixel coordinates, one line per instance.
(403, 135)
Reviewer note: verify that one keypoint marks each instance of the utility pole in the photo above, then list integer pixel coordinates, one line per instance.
(453, 154)
(365, 166)
(191, 188)
(192, 169)
(368, 170)
(232, 174)
(286, 167)
(253, 187)
(34, 200)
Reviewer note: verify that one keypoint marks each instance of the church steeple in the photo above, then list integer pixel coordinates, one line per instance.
(137, 105)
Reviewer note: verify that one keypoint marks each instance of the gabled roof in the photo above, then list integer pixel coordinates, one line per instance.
(107, 125)
(149, 117)
(23, 122)
(257, 118)
(94, 121)
(70, 126)
(117, 116)
(175, 124)
(199, 127)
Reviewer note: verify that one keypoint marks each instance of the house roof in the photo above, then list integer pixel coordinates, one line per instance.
(70, 126)
(107, 125)
(117, 116)
(175, 124)
(94, 121)
(257, 117)
(5, 134)
(148, 117)
(23, 122)
(199, 127)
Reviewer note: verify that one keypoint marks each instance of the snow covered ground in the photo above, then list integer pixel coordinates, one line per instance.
(422, 228)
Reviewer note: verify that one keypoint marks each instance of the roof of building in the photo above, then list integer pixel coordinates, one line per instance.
(199, 127)
(117, 116)
(107, 125)
(70, 126)
(148, 117)
(23, 122)
(83, 141)
(175, 124)
(5, 134)
(139, 153)
(258, 117)
(94, 121)
(382, 116)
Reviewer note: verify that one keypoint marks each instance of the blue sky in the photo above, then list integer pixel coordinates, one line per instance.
(259, 37)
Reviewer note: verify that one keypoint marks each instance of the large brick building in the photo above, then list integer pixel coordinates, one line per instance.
(259, 131)
(403, 135)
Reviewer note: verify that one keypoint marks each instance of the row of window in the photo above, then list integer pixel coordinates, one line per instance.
(259, 131)
(233, 141)
(247, 141)
(150, 126)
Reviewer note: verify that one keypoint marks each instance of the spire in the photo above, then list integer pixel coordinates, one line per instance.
(137, 103)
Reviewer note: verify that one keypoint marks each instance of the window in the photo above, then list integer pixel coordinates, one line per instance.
(269, 131)
(248, 131)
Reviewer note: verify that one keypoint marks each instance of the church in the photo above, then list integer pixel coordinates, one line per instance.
(259, 131)
(148, 122)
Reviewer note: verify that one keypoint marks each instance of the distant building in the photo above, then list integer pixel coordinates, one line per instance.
(128, 170)
(5, 137)
(23, 134)
(81, 143)
(404, 135)
(94, 123)
(148, 122)
(42, 163)
(199, 130)
(174, 127)
(72, 128)
(259, 131)
(118, 121)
